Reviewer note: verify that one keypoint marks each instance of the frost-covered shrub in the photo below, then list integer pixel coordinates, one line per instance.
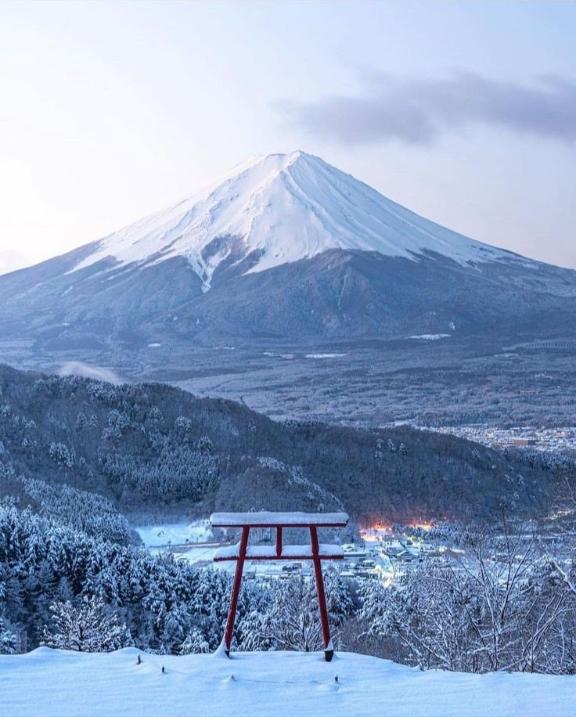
(514, 613)
(287, 617)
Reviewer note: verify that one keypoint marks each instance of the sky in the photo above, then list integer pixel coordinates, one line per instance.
(465, 112)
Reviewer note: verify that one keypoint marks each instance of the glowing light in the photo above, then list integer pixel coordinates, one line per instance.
(375, 532)
(382, 527)
(369, 537)
(422, 524)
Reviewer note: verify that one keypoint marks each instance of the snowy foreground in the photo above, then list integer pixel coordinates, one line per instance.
(56, 683)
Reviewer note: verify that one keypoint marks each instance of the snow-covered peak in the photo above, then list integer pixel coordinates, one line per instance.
(279, 209)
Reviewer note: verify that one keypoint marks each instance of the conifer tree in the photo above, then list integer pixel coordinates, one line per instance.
(86, 627)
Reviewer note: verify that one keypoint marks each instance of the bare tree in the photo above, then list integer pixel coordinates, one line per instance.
(503, 606)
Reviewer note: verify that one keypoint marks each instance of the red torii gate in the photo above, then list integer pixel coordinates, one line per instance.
(315, 552)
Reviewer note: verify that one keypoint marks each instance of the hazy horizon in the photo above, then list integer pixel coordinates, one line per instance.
(464, 113)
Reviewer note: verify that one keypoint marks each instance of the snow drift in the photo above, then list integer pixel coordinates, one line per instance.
(51, 683)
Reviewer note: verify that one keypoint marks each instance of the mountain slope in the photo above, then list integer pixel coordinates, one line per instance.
(153, 447)
(285, 247)
(280, 209)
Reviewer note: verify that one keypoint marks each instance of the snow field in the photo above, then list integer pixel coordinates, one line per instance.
(154, 536)
(53, 683)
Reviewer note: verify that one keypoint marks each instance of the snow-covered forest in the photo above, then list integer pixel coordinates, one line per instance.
(54, 579)
(64, 588)
(155, 450)
(79, 459)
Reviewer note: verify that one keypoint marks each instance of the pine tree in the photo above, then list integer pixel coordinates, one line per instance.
(194, 643)
(8, 639)
(86, 627)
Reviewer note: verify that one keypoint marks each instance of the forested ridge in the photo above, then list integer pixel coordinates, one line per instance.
(152, 448)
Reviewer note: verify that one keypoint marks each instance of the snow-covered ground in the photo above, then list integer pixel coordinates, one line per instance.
(155, 536)
(192, 542)
(51, 683)
(324, 356)
(430, 337)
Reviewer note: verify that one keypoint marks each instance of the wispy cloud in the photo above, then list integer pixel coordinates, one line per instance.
(77, 368)
(420, 111)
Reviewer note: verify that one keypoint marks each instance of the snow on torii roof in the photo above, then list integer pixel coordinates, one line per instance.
(265, 519)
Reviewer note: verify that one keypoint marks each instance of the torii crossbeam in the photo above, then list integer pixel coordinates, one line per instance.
(315, 552)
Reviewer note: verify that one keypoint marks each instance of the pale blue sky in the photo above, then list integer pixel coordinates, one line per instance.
(110, 110)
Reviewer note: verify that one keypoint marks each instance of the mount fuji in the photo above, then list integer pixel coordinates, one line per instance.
(284, 247)
(280, 209)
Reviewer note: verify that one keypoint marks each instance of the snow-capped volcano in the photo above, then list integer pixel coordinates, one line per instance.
(286, 246)
(279, 209)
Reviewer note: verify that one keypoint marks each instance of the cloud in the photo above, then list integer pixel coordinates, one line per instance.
(77, 368)
(420, 111)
